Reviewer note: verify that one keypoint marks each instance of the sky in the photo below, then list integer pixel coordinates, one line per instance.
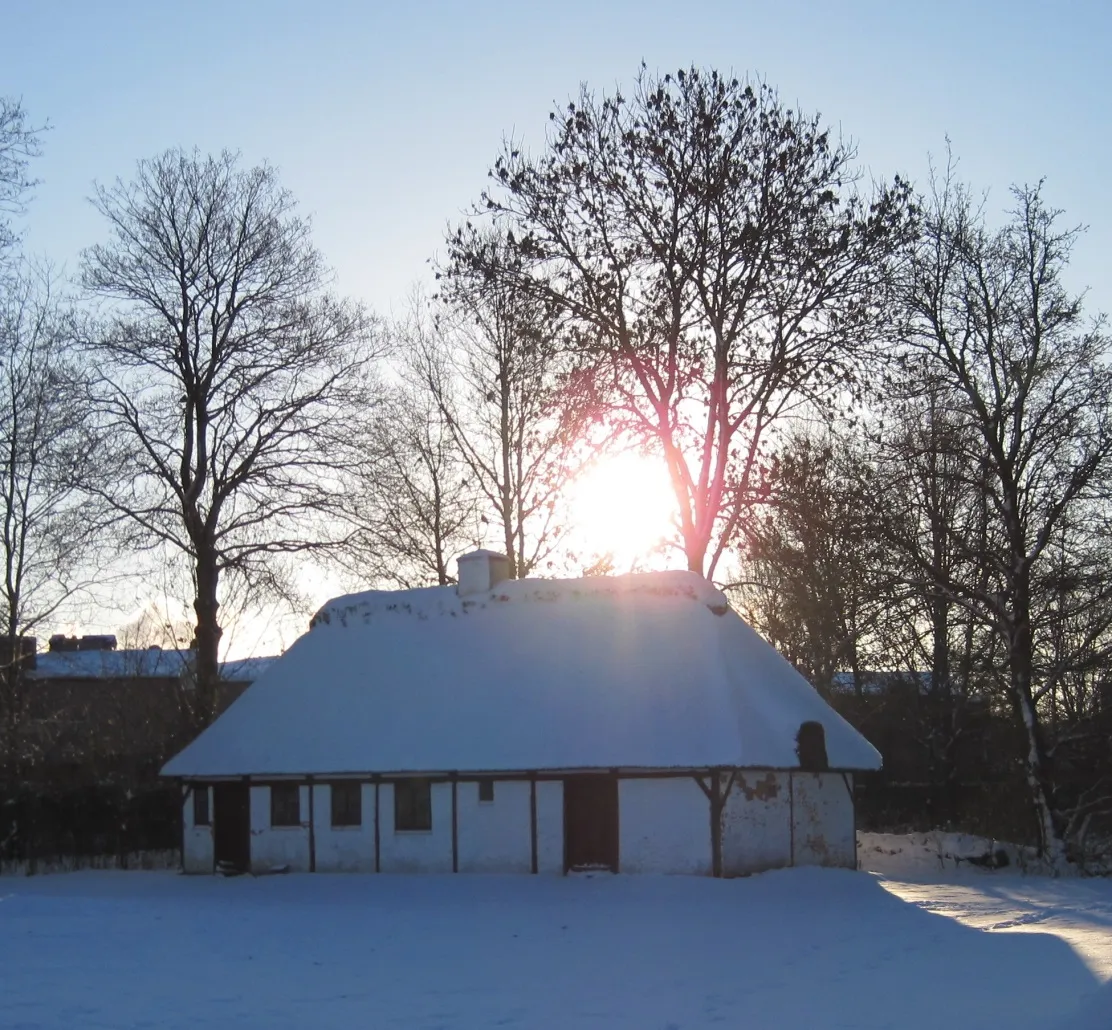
(384, 119)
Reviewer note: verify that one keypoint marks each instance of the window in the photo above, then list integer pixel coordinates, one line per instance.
(486, 791)
(200, 804)
(412, 805)
(285, 804)
(347, 803)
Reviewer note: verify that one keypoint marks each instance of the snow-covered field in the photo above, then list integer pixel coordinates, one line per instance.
(801, 949)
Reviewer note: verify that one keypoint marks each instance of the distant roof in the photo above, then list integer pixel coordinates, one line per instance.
(135, 663)
(638, 671)
(879, 681)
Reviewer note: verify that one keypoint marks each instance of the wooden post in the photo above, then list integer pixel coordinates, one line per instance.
(187, 792)
(312, 829)
(715, 823)
(378, 863)
(533, 821)
(455, 828)
(791, 815)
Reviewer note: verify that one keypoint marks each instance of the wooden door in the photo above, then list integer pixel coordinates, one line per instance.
(231, 826)
(591, 823)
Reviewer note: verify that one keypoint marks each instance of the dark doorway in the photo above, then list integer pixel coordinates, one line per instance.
(591, 823)
(231, 826)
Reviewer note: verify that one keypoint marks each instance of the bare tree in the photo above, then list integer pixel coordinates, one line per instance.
(490, 364)
(997, 326)
(20, 141)
(231, 379)
(816, 583)
(715, 265)
(414, 508)
(50, 529)
(928, 507)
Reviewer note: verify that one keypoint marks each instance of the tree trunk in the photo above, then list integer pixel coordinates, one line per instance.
(207, 638)
(1051, 842)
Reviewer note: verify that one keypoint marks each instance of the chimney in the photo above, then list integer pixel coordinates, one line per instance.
(479, 571)
(97, 642)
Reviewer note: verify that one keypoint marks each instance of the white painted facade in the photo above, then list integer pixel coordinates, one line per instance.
(494, 836)
(343, 849)
(273, 847)
(664, 826)
(416, 851)
(769, 819)
(550, 826)
(196, 855)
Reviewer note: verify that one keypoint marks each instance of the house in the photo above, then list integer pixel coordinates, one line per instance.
(632, 723)
(91, 707)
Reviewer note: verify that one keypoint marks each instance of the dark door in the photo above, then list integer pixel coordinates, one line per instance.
(591, 823)
(231, 826)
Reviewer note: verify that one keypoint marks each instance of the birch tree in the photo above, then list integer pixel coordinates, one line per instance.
(994, 319)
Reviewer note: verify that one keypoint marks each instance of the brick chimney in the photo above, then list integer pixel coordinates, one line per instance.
(480, 570)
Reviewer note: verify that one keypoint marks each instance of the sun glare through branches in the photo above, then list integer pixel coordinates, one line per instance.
(622, 510)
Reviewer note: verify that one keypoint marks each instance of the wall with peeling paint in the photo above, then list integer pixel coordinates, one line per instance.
(343, 849)
(417, 851)
(273, 846)
(494, 836)
(664, 827)
(196, 840)
(823, 824)
(756, 823)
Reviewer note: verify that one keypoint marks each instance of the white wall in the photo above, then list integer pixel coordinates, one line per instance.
(664, 826)
(756, 823)
(550, 827)
(343, 849)
(494, 836)
(196, 840)
(278, 845)
(823, 824)
(417, 851)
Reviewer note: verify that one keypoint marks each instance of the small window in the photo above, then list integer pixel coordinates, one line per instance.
(486, 791)
(347, 803)
(200, 805)
(412, 805)
(285, 804)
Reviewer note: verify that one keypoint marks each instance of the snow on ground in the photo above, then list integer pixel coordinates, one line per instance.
(801, 949)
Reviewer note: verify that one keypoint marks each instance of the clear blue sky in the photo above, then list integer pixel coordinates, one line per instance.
(384, 118)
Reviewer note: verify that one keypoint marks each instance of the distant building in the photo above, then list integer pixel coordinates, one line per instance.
(629, 723)
(90, 707)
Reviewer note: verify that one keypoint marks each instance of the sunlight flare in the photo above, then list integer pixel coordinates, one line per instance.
(623, 507)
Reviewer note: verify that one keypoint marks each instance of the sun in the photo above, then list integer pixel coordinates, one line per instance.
(622, 507)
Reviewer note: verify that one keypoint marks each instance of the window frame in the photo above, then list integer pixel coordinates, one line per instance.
(202, 805)
(282, 823)
(337, 790)
(486, 786)
(410, 812)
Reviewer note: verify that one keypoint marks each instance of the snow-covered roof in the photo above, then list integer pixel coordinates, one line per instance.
(130, 663)
(639, 671)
